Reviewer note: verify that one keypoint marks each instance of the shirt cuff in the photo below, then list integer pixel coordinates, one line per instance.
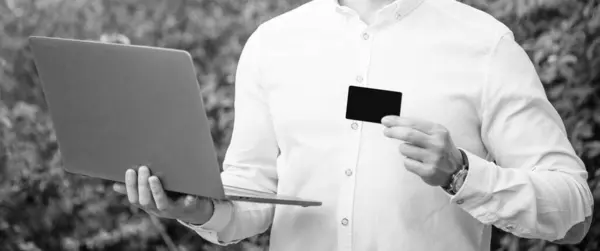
(477, 187)
(218, 221)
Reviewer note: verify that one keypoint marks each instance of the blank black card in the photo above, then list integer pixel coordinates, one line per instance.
(371, 105)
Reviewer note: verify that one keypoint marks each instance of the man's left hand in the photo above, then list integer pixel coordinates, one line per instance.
(428, 147)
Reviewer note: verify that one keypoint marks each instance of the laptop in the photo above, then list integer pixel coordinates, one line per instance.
(117, 106)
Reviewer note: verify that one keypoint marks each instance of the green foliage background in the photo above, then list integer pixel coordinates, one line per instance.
(43, 208)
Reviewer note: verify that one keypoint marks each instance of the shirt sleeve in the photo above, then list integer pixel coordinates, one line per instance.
(537, 188)
(250, 161)
(218, 221)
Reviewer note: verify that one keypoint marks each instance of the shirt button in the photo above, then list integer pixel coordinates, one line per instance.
(354, 126)
(398, 15)
(365, 36)
(345, 222)
(348, 172)
(461, 201)
(359, 79)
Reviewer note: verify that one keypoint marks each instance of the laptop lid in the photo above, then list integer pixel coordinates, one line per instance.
(117, 106)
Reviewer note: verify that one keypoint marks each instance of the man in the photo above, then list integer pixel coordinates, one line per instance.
(478, 143)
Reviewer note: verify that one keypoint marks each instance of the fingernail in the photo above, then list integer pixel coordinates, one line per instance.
(385, 132)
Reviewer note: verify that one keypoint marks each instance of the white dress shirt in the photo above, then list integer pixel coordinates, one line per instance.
(456, 66)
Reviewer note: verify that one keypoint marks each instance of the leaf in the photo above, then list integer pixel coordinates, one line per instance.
(114, 38)
(43, 4)
(593, 149)
(568, 59)
(29, 246)
(24, 110)
(4, 117)
(581, 93)
(583, 130)
(555, 92)
(596, 117)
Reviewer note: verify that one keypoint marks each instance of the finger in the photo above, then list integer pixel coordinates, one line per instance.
(158, 193)
(407, 134)
(417, 124)
(131, 186)
(415, 167)
(152, 211)
(414, 152)
(120, 188)
(146, 199)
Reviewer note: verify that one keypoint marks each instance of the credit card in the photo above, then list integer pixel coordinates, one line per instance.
(371, 105)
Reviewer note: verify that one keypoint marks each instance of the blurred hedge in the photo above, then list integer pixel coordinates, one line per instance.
(43, 208)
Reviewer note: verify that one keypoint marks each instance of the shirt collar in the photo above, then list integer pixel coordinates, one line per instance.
(398, 9)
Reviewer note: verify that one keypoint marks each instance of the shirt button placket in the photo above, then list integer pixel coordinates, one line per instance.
(347, 195)
(364, 57)
(345, 211)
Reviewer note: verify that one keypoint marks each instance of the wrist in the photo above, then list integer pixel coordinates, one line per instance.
(456, 162)
(458, 177)
(460, 180)
(459, 160)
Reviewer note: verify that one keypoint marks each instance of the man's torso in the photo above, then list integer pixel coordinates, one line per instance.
(433, 52)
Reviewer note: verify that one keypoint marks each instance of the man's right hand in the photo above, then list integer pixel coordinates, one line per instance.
(146, 192)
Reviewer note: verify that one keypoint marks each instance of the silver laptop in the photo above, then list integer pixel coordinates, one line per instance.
(116, 107)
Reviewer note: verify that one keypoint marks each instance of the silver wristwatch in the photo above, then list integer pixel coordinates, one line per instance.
(458, 178)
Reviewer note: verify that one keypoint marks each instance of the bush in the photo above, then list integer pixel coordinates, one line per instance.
(44, 208)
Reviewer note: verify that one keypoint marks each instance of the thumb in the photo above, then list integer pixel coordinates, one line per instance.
(120, 188)
(190, 201)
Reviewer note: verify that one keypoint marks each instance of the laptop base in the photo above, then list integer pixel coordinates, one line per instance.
(242, 194)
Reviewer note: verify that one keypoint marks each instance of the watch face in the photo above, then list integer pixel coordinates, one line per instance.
(459, 180)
